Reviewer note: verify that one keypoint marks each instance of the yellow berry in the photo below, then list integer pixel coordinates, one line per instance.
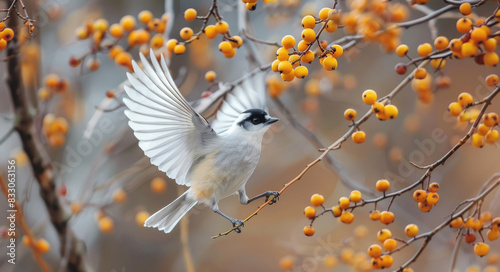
(274, 65)
(483, 129)
(481, 249)
(317, 200)
(455, 109)
(145, 16)
(411, 230)
(492, 136)
(390, 244)
(438, 63)
(490, 59)
(386, 217)
(359, 137)
(157, 41)
(432, 198)
(308, 231)
(386, 261)
(331, 26)
(355, 196)
(171, 45)
(375, 215)
(179, 49)
(221, 27)
(308, 22)
(337, 211)
(337, 51)
(308, 57)
(350, 114)
(106, 224)
(285, 67)
(346, 217)
(402, 50)
(424, 49)
(186, 33)
(190, 14)
(309, 212)
(288, 41)
(210, 31)
(238, 41)
(287, 77)
(465, 99)
(464, 25)
(128, 22)
(308, 35)
(323, 13)
(100, 25)
(282, 54)
(344, 203)
(375, 251)
(42, 246)
(383, 185)
(441, 43)
(383, 235)
(391, 111)
(302, 46)
(492, 235)
(477, 140)
(116, 30)
(369, 97)
(330, 63)
(478, 35)
(469, 49)
(301, 72)
(457, 223)
(141, 217)
(490, 45)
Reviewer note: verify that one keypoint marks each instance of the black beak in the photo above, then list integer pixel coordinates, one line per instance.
(272, 120)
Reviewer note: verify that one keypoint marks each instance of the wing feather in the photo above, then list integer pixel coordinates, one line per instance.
(169, 131)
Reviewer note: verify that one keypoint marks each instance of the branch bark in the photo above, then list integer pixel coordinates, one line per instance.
(42, 171)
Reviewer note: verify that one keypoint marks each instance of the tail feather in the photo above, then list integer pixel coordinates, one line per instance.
(168, 217)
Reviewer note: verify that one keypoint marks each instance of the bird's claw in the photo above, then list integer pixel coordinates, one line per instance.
(275, 194)
(237, 224)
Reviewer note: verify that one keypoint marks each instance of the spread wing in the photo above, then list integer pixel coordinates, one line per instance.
(168, 129)
(249, 96)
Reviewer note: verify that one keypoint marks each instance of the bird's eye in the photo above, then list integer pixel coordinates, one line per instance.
(255, 120)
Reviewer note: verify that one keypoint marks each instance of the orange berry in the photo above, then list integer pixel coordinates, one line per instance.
(210, 31)
(221, 27)
(470, 238)
(434, 187)
(491, 80)
(171, 45)
(490, 45)
(288, 41)
(355, 196)
(301, 71)
(420, 73)
(285, 67)
(383, 235)
(441, 43)
(350, 114)
(390, 244)
(375, 251)
(464, 25)
(375, 215)
(238, 41)
(344, 203)
(141, 217)
(308, 231)
(317, 200)
(481, 249)
(495, 224)
(455, 109)
(336, 211)
(158, 185)
(287, 263)
(309, 212)
(145, 16)
(157, 41)
(179, 49)
(432, 198)
(411, 230)
(346, 217)
(386, 217)
(478, 35)
(337, 51)
(93, 64)
(464, 99)
(210, 76)
(190, 14)
(491, 59)
(308, 35)
(402, 50)
(116, 31)
(424, 49)
(490, 119)
(492, 235)
(119, 196)
(106, 224)
(383, 185)
(369, 97)
(465, 8)
(457, 223)
(76, 207)
(3, 44)
(123, 59)
(42, 246)
(308, 57)
(308, 22)
(358, 137)
(386, 261)
(128, 22)
(330, 63)
(186, 33)
(492, 136)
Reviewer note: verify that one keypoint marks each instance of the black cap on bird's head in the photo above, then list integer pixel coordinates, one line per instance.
(256, 118)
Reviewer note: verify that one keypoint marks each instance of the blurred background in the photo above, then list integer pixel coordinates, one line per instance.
(93, 169)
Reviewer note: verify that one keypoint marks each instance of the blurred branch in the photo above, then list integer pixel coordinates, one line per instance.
(20, 220)
(329, 159)
(42, 170)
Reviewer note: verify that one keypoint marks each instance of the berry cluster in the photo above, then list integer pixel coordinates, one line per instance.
(106, 38)
(228, 45)
(427, 199)
(55, 130)
(40, 245)
(6, 34)
(289, 64)
(476, 225)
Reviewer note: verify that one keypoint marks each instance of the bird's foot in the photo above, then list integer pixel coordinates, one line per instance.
(275, 194)
(237, 224)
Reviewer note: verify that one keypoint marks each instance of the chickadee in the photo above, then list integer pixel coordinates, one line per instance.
(215, 161)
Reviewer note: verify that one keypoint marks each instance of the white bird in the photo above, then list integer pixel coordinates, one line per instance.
(215, 161)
